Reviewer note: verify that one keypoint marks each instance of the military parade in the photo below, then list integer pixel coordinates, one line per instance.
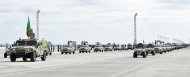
(94, 38)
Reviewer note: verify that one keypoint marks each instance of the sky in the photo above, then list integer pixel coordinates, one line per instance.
(96, 20)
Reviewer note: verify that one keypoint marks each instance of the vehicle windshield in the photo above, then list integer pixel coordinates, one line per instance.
(157, 45)
(26, 43)
(84, 46)
(66, 46)
(97, 46)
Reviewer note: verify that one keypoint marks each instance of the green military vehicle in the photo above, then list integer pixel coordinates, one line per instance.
(29, 48)
(150, 49)
(140, 50)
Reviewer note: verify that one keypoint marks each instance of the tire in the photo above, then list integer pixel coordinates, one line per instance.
(61, 52)
(65, 52)
(24, 59)
(153, 53)
(144, 55)
(5, 55)
(88, 51)
(160, 52)
(134, 55)
(69, 52)
(13, 57)
(73, 52)
(43, 58)
(33, 56)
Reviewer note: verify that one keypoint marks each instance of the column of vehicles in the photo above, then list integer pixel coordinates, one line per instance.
(32, 48)
(160, 47)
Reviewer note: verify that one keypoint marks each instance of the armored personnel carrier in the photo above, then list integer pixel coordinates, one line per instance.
(29, 48)
(140, 51)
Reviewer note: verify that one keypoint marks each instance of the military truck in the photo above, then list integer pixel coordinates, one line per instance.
(117, 47)
(71, 47)
(123, 47)
(108, 47)
(29, 48)
(158, 47)
(84, 47)
(130, 46)
(140, 51)
(98, 47)
(150, 49)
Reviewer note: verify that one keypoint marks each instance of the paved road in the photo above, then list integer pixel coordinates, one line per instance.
(101, 64)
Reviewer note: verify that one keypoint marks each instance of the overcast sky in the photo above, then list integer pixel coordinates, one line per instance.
(96, 20)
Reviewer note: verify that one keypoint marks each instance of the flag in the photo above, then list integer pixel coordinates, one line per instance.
(28, 27)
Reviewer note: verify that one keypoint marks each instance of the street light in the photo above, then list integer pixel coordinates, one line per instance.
(37, 24)
(135, 35)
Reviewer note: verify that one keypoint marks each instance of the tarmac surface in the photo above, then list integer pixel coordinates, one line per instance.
(101, 64)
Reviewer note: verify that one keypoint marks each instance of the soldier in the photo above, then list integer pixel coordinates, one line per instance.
(31, 34)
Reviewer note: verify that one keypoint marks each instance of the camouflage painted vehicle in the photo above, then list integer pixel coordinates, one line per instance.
(140, 51)
(150, 49)
(7, 52)
(129, 46)
(108, 47)
(158, 49)
(29, 48)
(71, 47)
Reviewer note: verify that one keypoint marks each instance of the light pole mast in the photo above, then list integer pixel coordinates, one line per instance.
(135, 32)
(37, 25)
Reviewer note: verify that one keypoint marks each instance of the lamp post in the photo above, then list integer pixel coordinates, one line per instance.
(135, 33)
(37, 24)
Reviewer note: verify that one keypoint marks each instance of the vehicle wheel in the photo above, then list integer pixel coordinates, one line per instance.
(160, 52)
(88, 51)
(153, 53)
(69, 52)
(79, 51)
(43, 58)
(33, 56)
(164, 51)
(134, 55)
(5, 55)
(73, 52)
(13, 57)
(65, 52)
(24, 59)
(61, 52)
(144, 55)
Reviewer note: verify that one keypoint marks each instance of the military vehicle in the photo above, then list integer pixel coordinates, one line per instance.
(129, 46)
(158, 47)
(150, 49)
(108, 47)
(7, 50)
(140, 50)
(123, 47)
(29, 48)
(117, 47)
(84, 47)
(98, 47)
(71, 47)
